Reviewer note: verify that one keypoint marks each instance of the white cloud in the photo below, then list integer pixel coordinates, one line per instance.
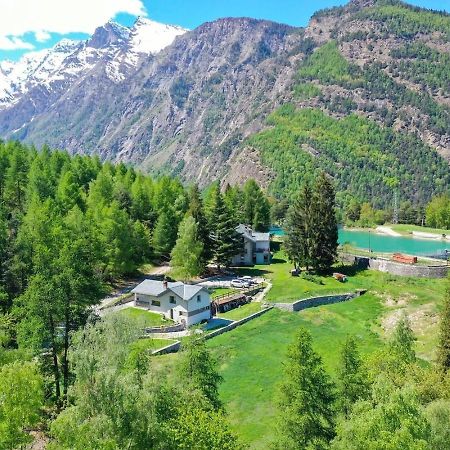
(42, 36)
(42, 17)
(14, 43)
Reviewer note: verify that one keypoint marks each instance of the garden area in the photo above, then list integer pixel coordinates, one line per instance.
(145, 318)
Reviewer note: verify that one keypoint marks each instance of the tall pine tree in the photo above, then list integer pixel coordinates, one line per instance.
(186, 255)
(352, 376)
(298, 242)
(196, 210)
(225, 239)
(323, 224)
(306, 402)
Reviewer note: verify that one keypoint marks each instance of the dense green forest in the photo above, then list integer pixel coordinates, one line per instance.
(373, 158)
(69, 226)
(367, 162)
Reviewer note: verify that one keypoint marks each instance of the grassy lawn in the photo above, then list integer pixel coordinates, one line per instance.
(217, 292)
(242, 311)
(286, 288)
(251, 356)
(408, 229)
(147, 318)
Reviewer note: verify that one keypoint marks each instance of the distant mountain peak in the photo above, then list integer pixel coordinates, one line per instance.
(149, 36)
(109, 34)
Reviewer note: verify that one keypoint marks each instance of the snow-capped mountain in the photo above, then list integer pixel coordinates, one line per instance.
(119, 48)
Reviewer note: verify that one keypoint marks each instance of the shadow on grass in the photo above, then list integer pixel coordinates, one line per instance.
(253, 271)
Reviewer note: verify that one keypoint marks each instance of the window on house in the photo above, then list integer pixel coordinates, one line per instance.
(199, 299)
(172, 299)
(156, 303)
(181, 313)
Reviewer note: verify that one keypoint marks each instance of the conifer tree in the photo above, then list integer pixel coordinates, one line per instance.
(402, 342)
(298, 242)
(68, 192)
(306, 402)
(226, 240)
(256, 206)
(141, 205)
(234, 199)
(352, 377)
(196, 210)
(323, 224)
(444, 335)
(165, 233)
(186, 255)
(199, 370)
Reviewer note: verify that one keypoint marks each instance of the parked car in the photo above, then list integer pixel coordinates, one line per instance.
(238, 283)
(248, 279)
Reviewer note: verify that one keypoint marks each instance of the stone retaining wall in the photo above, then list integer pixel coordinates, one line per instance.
(408, 270)
(317, 301)
(166, 329)
(171, 348)
(396, 268)
(237, 323)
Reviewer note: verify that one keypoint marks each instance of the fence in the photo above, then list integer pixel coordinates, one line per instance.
(248, 291)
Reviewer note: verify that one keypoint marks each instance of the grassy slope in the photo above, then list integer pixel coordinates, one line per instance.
(242, 311)
(251, 356)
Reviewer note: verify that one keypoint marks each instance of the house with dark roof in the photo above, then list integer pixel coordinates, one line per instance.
(256, 248)
(183, 303)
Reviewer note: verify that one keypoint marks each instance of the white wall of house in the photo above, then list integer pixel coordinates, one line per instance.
(175, 308)
(199, 308)
(262, 252)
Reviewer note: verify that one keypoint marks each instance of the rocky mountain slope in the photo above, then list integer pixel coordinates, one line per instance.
(204, 105)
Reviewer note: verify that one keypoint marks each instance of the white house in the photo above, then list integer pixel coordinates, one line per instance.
(256, 248)
(183, 303)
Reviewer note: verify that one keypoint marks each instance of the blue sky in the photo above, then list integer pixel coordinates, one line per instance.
(76, 19)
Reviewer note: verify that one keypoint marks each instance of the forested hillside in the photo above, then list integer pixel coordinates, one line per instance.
(370, 106)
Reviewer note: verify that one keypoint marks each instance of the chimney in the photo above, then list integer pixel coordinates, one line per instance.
(165, 284)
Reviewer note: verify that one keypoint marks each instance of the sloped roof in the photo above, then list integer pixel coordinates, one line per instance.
(253, 236)
(156, 288)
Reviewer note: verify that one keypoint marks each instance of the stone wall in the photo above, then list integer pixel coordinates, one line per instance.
(408, 270)
(317, 301)
(237, 323)
(171, 348)
(396, 268)
(165, 329)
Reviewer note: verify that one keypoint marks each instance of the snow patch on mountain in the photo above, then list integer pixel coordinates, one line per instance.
(116, 47)
(151, 37)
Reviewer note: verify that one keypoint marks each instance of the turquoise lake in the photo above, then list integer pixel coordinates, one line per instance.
(388, 244)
